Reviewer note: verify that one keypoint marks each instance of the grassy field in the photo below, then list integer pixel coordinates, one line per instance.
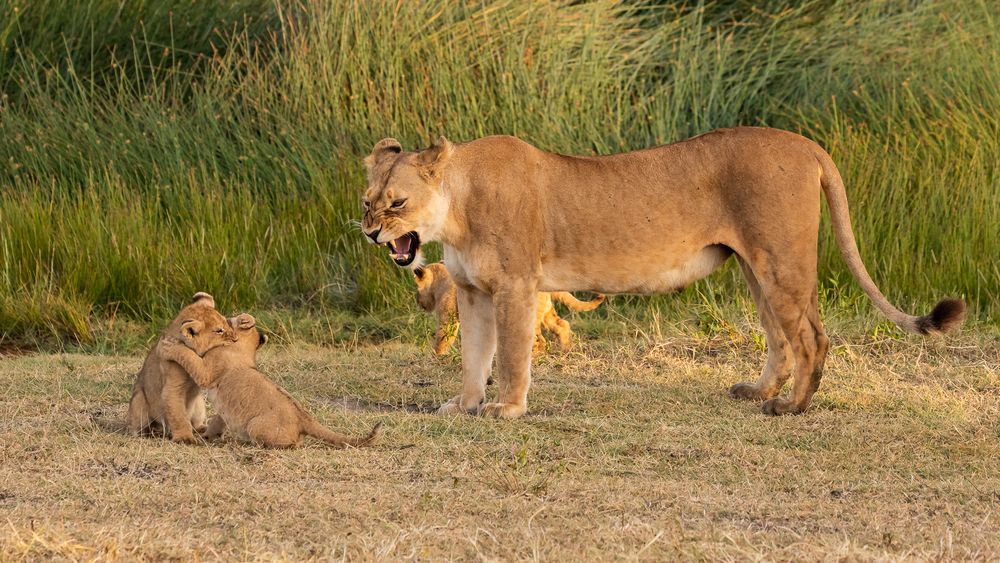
(163, 148)
(631, 450)
(159, 148)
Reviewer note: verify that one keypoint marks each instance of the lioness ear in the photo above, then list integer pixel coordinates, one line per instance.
(204, 298)
(382, 148)
(262, 339)
(432, 160)
(191, 328)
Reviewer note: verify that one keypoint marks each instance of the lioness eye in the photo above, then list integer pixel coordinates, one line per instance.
(398, 203)
(366, 203)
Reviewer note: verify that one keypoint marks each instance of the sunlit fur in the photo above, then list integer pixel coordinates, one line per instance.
(164, 395)
(436, 294)
(515, 220)
(250, 405)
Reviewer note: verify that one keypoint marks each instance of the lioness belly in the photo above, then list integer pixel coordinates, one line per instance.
(647, 273)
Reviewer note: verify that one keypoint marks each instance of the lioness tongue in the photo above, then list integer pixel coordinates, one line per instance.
(402, 245)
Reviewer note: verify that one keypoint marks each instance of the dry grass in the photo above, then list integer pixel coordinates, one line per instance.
(632, 450)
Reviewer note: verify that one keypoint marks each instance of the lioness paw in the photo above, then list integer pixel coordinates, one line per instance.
(454, 406)
(502, 410)
(779, 406)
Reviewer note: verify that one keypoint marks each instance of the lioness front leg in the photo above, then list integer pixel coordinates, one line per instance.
(514, 308)
(479, 344)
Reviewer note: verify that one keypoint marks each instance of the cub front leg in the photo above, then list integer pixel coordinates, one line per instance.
(514, 308)
(216, 427)
(176, 385)
(447, 330)
(479, 344)
(173, 351)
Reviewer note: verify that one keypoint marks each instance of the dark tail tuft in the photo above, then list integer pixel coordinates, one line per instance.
(946, 316)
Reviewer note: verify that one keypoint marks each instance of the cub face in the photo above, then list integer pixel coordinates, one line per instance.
(425, 278)
(248, 338)
(404, 206)
(202, 328)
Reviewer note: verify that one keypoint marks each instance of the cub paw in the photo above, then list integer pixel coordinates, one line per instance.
(779, 406)
(184, 439)
(502, 410)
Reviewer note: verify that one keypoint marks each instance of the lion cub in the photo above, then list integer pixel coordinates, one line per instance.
(249, 404)
(436, 293)
(164, 395)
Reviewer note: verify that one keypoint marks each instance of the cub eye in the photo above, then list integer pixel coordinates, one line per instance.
(219, 331)
(398, 204)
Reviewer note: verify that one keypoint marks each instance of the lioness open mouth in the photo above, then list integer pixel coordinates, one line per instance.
(404, 249)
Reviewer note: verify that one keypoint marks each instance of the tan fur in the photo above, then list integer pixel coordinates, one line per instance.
(515, 220)
(249, 404)
(436, 294)
(164, 395)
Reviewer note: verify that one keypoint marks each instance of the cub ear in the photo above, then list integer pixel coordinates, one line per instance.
(191, 328)
(432, 160)
(419, 273)
(243, 321)
(262, 339)
(203, 298)
(381, 149)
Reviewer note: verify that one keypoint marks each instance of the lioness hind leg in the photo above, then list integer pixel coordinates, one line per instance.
(780, 362)
(795, 307)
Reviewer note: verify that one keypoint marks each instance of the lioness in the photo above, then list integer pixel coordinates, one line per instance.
(436, 294)
(163, 393)
(249, 404)
(515, 220)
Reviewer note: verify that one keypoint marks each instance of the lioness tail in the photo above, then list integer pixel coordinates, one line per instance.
(317, 430)
(575, 304)
(947, 315)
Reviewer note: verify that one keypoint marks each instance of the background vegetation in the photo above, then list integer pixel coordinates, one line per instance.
(151, 149)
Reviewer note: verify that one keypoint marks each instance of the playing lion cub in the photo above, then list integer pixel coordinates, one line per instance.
(164, 395)
(515, 220)
(436, 294)
(249, 404)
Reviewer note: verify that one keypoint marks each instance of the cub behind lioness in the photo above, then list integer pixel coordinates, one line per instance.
(249, 404)
(436, 294)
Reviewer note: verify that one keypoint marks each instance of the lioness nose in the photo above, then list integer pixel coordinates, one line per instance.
(374, 235)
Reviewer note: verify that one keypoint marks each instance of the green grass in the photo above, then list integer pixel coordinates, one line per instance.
(160, 149)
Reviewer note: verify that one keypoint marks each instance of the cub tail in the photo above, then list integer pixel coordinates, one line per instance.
(575, 304)
(320, 432)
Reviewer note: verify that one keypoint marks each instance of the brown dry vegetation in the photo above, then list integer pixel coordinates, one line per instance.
(632, 450)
